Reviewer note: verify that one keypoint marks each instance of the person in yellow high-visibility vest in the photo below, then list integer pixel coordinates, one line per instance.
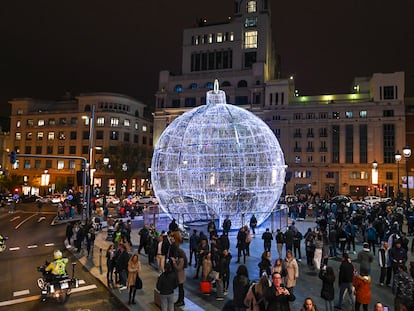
(58, 266)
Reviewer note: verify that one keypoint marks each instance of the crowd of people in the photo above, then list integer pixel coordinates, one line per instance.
(334, 235)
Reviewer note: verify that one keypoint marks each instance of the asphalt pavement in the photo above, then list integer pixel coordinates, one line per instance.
(308, 284)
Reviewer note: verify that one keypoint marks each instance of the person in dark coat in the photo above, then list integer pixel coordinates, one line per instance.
(267, 238)
(265, 264)
(241, 245)
(143, 239)
(122, 265)
(241, 284)
(194, 242)
(327, 275)
(345, 279)
(278, 296)
(167, 282)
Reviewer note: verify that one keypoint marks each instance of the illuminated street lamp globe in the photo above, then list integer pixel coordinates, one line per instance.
(217, 160)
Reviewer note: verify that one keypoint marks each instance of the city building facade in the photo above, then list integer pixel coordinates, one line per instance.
(57, 135)
(329, 141)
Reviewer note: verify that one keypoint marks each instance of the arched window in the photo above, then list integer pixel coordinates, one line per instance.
(193, 86)
(226, 83)
(209, 85)
(137, 113)
(88, 108)
(178, 88)
(242, 83)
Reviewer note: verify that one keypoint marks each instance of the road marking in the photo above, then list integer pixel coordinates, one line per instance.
(41, 218)
(32, 246)
(49, 244)
(14, 218)
(22, 222)
(37, 297)
(81, 282)
(14, 248)
(21, 292)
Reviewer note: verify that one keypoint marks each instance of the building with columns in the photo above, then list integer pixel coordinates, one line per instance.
(329, 141)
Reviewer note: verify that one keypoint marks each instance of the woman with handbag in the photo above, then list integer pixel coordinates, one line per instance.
(134, 282)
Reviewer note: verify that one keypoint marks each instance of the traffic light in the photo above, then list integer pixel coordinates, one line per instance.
(13, 157)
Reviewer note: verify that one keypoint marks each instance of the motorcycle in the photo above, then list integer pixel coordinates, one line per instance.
(3, 244)
(56, 287)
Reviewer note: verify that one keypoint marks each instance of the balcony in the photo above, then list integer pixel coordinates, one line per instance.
(297, 149)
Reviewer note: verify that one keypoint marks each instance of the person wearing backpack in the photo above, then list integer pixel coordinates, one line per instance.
(403, 287)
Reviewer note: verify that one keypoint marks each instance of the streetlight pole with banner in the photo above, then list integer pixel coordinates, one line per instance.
(407, 155)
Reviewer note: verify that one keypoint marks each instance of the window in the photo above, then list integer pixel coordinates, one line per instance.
(29, 136)
(302, 174)
(144, 140)
(60, 164)
(99, 134)
(297, 116)
(49, 149)
(62, 136)
(388, 92)
(136, 139)
(330, 175)
(388, 113)
(19, 112)
(61, 149)
(323, 115)
(127, 123)
(250, 22)
(29, 122)
(85, 135)
(363, 114)
(348, 114)
(336, 115)
(18, 123)
(39, 136)
(136, 126)
(73, 120)
(113, 135)
(323, 158)
(48, 164)
(38, 149)
(323, 132)
(190, 102)
(249, 59)
(310, 132)
(18, 136)
(73, 135)
(38, 164)
(250, 39)
(126, 137)
(349, 143)
(219, 37)
(62, 121)
(297, 133)
(85, 149)
(51, 122)
(144, 128)
(310, 116)
(41, 122)
(114, 122)
(27, 164)
(178, 88)
(100, 121)
(251, 7)
(28, 150)
(51, 136)
(72, 164)
(72, 149)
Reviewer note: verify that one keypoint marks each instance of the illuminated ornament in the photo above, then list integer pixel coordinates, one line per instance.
(217, 160)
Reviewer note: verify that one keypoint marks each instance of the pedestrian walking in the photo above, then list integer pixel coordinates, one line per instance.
(362, 285)
(267, 238)
(241, 285)
(327, 275)
(365, 258)
(253, 224)
(134, 267)
(292, 270)
(241, 245)
(179, 264)
(297, 238)
(345, 279)
(194, 242)
(280, 240)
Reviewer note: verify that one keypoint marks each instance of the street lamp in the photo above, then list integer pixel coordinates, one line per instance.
(407, 154)
(105, 161)
(398, 159)
(90, 160)
(374, 176)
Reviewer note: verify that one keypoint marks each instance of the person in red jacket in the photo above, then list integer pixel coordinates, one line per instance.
(362, 284)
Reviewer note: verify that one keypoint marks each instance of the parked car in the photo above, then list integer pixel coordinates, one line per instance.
(148, 199)
(372, 200)
(110, 200)
(29, 198)
(341, 198)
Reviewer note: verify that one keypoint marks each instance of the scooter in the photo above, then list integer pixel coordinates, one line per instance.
(56, 288)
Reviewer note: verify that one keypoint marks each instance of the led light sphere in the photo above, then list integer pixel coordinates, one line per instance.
(217, 160)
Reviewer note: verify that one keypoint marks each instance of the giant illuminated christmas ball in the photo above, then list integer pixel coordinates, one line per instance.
(217, 160)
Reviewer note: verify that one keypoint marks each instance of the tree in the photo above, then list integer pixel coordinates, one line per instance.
(128, 161)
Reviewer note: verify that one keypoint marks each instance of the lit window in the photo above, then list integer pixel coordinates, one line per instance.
(348, 114)
(250, 22)
(29, 122)
(250, 39)
(251, 6)
(113, 135)
(231, 36)
(114, 121)
(39, 136)
(219, 37)
(19, 112)
(210, 38)
(51, 122)
(178, 88)
(100, 121)
(26, 164)
(363, 114)
(62, 136)
(60, 164)
(18, 136)
(51, 136)
(144, 128)
(126, 123)
(29, 136)
(18, 123)
(72, 164)
(136, 126)
(40, 122)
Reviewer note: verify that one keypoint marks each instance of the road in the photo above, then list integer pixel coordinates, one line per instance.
(31, 241)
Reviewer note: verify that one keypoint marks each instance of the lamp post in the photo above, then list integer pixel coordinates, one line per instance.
(407, 154)
(105, 161)
(398, 159)
(374, 176)
(90, 160)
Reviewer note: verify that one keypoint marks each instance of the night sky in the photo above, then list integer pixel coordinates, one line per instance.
(50, 47)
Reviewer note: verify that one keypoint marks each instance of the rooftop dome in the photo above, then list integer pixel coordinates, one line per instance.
(217, 160)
